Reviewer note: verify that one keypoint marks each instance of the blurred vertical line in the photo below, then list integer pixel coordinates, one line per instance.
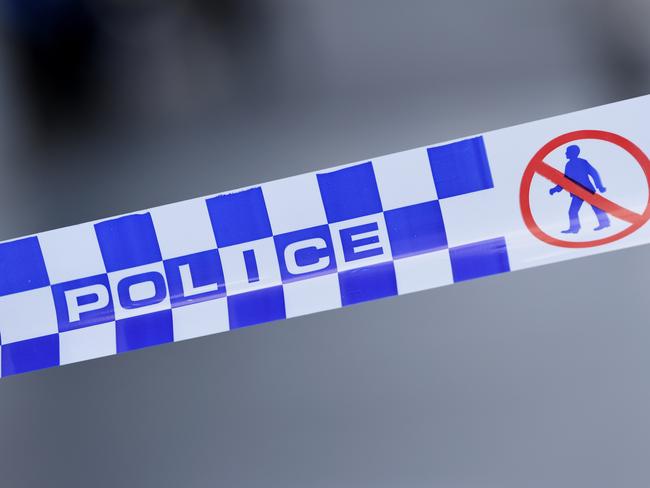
(622, 39)
(11, 133)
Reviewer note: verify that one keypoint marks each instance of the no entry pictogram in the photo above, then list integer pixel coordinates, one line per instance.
(537, 165)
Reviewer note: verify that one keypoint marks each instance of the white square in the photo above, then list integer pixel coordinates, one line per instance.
(404, 179)
(200, 319)
(236, 273)
(27, 315)
(294, 203)
(473, 217)
(341, 245)
(140, 291)
(71, 253)
(87, 343)
(423, 272)
(183, 228)
(312, 295)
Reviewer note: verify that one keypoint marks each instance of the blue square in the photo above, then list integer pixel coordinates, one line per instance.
(460, 167)
(349, 193)
(127, 242)
(239, 217)
(305, 253)
(30, 355)
(144, 330)
(85, 304)
(479, 259)
(195, 278)
(256, 307)
(416, 229)
(21, 266)
(368, 283)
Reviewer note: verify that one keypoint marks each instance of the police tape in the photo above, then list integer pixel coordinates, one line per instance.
(532, 194)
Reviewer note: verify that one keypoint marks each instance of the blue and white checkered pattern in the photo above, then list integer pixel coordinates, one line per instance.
(314, 242)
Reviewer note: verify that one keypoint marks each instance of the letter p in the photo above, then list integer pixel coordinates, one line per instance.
(84, 302)
(87, 299)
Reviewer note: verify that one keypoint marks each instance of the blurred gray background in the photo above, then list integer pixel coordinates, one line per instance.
(534, 379)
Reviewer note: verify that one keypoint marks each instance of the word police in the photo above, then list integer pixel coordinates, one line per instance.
(226, 271)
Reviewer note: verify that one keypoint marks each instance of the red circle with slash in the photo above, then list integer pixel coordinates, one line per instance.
(538, 166)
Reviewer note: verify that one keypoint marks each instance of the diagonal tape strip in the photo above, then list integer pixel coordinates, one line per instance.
(388, 226)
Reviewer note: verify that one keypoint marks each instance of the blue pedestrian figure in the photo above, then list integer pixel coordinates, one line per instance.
(579, 171)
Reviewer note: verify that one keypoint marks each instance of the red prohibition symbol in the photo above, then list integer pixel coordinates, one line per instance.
(537, 165)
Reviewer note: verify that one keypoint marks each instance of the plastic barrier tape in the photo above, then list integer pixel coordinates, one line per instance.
(536, 193)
